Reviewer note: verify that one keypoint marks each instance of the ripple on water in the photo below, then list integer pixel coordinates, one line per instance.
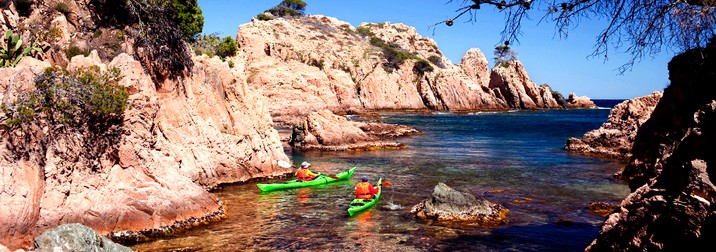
(513, 159)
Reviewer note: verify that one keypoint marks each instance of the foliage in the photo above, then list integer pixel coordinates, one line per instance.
(63, 8)
(153, 25)
(436, 60)
(84, 96)
(227, 47)
(86, 105)
(365, 31)
(288, 8)
(422, 66)
(120, 35)
(504, 54)
(189, 17)
(264, 17)
(211, 44)
(74, 51)
(13, 51)
(642, 28)
(395, 57)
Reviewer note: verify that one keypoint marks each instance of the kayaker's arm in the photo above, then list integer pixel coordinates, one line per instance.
(310, 173)
(374, 189)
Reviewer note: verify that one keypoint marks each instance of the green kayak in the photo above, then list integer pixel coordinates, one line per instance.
(320, 180)
(358, 205)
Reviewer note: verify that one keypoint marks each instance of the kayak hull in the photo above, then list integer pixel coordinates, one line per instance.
(320, 180)
(358, 205)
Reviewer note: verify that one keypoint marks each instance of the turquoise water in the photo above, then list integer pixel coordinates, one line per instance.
(515, 159)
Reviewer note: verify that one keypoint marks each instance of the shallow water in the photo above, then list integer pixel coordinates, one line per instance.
(515, 159)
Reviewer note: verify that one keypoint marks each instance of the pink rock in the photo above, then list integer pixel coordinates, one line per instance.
(615, 137)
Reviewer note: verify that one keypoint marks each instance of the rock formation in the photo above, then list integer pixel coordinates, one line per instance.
(178, 140)
(574, 101)
(516, 88)
(615, 137)
(324, 130)
(670, 171)
(75, 237)
(447, 204)
(301, 65)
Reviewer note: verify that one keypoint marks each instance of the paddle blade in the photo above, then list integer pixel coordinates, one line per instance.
(386, 183)
(284, 164)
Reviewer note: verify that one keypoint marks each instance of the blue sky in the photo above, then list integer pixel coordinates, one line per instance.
(562, 63)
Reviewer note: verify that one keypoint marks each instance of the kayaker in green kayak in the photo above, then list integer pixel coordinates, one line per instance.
(364, 190)
(304, 174)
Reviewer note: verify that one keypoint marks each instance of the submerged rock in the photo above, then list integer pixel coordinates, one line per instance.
(602, 208)
(447, 204)
(75, 237)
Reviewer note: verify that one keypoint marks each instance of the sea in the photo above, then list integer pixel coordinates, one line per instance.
(512, 158)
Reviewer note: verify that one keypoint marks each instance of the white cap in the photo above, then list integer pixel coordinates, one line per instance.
(305, 164)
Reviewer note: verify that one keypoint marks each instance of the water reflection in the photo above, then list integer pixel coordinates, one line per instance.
(513, 159)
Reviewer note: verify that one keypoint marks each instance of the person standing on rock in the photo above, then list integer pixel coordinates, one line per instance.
(304, 174)
(364, 190)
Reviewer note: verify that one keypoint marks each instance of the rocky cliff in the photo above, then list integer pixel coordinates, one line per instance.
(671, 206)
(306, 64)
(615, 137)
(176, 142)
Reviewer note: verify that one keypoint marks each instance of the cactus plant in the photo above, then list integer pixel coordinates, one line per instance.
(13, 51)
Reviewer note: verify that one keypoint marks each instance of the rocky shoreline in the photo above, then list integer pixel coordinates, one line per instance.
(216, 124)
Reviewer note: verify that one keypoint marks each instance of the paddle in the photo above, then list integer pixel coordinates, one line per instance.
(386, 183)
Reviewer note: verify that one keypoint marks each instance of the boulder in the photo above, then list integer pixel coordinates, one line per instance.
(615, 137)
(574, 101)
(447, 204)
(324, 130)
(75, 237)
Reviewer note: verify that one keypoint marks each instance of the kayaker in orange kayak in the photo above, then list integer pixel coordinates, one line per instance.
(304, 174)
(364, 190)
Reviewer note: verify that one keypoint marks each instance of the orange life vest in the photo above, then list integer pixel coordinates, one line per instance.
(302, 174)
(363, 190)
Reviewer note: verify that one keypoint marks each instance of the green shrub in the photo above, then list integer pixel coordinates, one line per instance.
(365, 31)
(120, 35)
(154, 27)
(82, 97)
(288, 8)
(53, 33)
(264, 17)
(231, 64)
(189, 17)
(227, 47)
(86, 105)
(13, 51)
(97, 34)
(63, 8)
(503, 55)
(74, 51)
(436, 61)
(422, 66)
